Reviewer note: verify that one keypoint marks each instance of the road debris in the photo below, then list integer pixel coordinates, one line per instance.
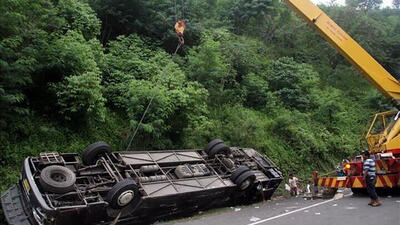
(287, 187)
(254, 219)
(237, 209)
(317, 213)
(338, 196)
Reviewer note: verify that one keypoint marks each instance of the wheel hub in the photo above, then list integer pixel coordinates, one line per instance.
(245, 184)
(58, 177)
(125, 198)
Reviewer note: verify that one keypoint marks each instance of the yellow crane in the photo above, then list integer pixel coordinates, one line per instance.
(382, 135)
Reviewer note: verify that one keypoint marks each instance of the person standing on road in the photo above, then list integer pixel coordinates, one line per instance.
(369, 176)
(293, 184)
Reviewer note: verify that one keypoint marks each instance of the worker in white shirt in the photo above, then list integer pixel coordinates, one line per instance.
(293, 185)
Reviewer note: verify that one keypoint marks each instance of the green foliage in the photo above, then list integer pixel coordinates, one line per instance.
(72, 55)
(255, 17)
(258, 94)
(152, 18)
(77, 85)
(38, 134)
(250, 72)
(176, 105)
(364, 4)
(129, 58)
(81, 95)
(292, 139)
(208, 66)
(138, 72)
(396, 4)
(292, 83)
(42, 42)
(15, 69)
(79, 16)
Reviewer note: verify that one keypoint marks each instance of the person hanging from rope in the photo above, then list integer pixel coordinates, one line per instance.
(179, 28)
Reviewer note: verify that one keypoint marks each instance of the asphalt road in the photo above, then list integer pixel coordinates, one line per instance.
(349, 210)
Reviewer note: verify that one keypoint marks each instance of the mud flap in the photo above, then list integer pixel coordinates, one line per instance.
(11, 203)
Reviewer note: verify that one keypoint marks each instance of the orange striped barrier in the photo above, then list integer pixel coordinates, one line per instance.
(387, 181)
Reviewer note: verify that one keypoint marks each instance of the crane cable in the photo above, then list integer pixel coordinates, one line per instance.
(154, 94)
(176, 15)
(182, 10)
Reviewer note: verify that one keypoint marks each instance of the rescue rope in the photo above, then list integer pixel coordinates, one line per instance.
(115, 221)
(179, 28)
(177, 48)
(140, 122)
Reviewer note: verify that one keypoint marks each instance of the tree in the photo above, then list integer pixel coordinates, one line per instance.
(369, 4)
(79, 16)
(38, 46)
(396, 4)
(255, 17)
(80, 97)
(176, 105)
(129, 58)
(20, 42)
(292, 83)
(151, 18)
(257, 92)
(208, 66)
(364, 4)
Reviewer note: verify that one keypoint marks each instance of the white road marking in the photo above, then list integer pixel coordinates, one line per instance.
(294, 211)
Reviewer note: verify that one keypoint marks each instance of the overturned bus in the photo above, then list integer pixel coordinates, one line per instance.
(135, 187)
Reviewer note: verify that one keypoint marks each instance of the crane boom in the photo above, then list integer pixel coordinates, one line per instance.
(349, 48)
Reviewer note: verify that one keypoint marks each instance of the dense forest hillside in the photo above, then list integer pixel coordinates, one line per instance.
(251, 72)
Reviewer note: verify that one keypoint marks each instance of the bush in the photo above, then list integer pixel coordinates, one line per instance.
(207, 65)
(129, 58)
(177, 105)
(292, 83)
(80, 97)
(257, 92)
